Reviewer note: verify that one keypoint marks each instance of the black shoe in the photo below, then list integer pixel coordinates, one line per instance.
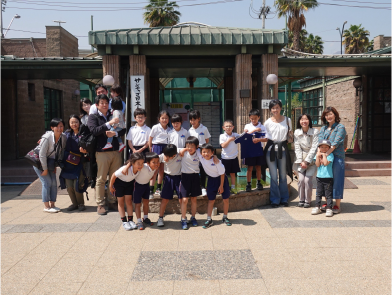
(307, 205)
(248, 188)
(301, 204)
(226, 221)
(260, 187)
(274, 205)
(284, 204)
(147, 221)
(72, 207)
(208, 223)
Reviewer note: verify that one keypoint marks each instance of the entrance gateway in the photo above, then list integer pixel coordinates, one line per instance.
(219, 71)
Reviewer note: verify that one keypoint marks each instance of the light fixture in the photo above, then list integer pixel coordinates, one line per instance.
(15, 16)
(59, 22)
(271, 80)
(76, 93)
(357, 83)
(108, 80)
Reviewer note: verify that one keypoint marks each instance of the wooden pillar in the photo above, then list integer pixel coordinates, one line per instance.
(111, 66)
(269, 65)
(242, 81)
(154, 99)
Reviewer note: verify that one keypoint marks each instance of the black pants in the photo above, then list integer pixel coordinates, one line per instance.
(324, 188)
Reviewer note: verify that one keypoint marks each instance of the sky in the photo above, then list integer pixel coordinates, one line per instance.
(321, 21)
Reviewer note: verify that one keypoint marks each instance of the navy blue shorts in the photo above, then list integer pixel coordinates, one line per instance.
(171, 183)
(123, 188)
(231, 166)
(190, 185)
(213, 185)
(256, 161)
(158, 148)
(141, 191)
(138, 148)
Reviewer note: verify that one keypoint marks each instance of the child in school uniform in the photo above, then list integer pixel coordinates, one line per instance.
(178, 134)
(258, 162)
(139, 134)
(201, 133)
(230, 152)
(159, 138)
(142, 190)
(172, 167)
(122, 187)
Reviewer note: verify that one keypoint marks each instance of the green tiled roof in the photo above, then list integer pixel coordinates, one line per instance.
(385, 50)
(188, 35)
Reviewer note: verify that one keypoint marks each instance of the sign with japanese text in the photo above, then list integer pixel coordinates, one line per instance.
(265, 104)
(137, 93)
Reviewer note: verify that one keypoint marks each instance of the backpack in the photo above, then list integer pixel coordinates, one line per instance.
(87, 140)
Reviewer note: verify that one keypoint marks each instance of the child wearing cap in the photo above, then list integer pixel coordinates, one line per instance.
(324, 178)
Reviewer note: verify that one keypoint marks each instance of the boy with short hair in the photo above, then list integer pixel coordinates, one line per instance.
(324, 178)
(201, 133)
(230, 152)
(142, 188)
(178, 134)
(172, 179)
(259, 162)
(139, 134)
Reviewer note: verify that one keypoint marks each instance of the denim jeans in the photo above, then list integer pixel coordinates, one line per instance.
(117, 129)
(338, 177)
(279, 192)
(49, 185)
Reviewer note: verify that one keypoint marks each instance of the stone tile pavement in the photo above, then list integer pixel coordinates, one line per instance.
(266, 251)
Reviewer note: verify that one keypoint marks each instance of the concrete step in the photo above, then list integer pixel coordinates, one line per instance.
(367, 172)
(354, 165)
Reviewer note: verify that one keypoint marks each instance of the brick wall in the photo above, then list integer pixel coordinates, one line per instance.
(8, 133)
(381, 42)
(60, 42)
(23, 47)
(342, 97)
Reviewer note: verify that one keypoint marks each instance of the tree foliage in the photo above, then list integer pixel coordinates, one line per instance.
(302, 38)
(356, 39)
(161, 13)
(314, 44)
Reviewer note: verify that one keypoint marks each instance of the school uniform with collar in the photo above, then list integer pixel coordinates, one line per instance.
(230, 154)
(142, 184)
(200, 133)
(190, 180)
(139, 137)
(178, 138)
(124, 184)
(172, 178)
(160, 138)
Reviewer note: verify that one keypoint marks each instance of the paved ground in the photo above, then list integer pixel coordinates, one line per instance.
(266, 251)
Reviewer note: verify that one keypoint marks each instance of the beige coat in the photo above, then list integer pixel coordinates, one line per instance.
(305, 144)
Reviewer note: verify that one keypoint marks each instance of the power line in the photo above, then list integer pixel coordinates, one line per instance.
(40, 33)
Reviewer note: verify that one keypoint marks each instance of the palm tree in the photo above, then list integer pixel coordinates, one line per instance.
(160, 13)
(356, 39)
(313, 44)
(302, 38)
(294, 10)
(370, 46)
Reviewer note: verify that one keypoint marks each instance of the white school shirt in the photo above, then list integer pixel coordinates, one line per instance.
(277, 132)
(139, 135)
(231, 151)
(190, 163)
(145, 175)
(126, 178)
(178, 138)
(211, 169)
(200, 132)
(160, 135)
(173, 166)
(250, 127)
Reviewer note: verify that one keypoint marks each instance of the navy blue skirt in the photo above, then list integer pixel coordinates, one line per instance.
(158, 148)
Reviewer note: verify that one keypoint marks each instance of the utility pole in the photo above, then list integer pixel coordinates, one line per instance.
(3, 3)
(263, 13)
(263, 19)
(92, 28)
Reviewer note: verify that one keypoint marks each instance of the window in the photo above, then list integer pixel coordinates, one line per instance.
(31, 91)
(312, 102)
(52, 105)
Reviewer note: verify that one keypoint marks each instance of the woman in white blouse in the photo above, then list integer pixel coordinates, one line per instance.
(305, 142)
(277, 154)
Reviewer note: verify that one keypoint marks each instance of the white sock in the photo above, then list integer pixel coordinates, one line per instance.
(183, 219)
(139, 220)
(224, 216)
(208, 217)
(233, 186)
(145, 216)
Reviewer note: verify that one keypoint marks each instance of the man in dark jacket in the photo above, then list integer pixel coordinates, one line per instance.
(108, 160)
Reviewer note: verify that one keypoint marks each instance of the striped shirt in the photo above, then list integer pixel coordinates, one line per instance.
(336, 136)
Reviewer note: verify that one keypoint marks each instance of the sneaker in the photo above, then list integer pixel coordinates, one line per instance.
(208, 223)
(329, 213)
(57, 209)
(132, 224)
(50, 210)
(71, 207)
(184, 224)
(226, 221)
(107, 146)
(259, 186)
(233, 191)
(126, 226)
(274, 206)
(307, 205)
(301, 204)
(284, 204)
(203, 192)
(121, 147)
(160, 222)
(194, 221)
(147, 221)
(248, 188)
(157, 192)
(140, 225)
(151, 195)
(101, 210)
(335, 209)
(324, 207)
(81, 207)
(316, 210)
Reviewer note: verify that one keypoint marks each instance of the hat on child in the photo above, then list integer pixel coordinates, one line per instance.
(324, 141)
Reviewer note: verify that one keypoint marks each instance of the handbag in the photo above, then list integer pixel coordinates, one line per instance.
(33, 156)
(73, 158)
(290, 134)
